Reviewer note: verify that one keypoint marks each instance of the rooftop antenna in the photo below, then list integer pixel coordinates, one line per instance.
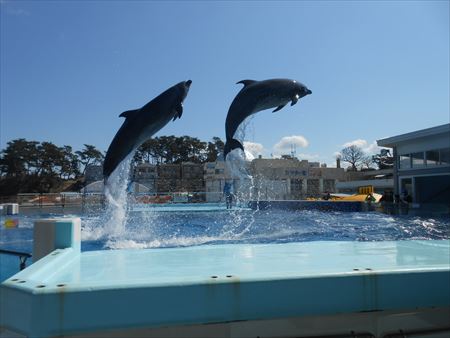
(293, 150)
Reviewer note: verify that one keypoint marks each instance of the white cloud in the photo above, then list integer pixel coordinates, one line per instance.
(253, 149)
(371, 148)
(359, 143)
(249, 156)
(284, 146)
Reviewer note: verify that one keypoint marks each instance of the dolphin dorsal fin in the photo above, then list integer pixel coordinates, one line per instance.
(246, 82)
(129, 113)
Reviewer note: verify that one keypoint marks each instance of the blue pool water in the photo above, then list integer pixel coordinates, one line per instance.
(157, 228)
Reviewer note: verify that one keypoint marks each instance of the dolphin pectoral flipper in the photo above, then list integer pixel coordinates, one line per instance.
(179, 112)
(129, 113)
(279, 108)
(294, 100)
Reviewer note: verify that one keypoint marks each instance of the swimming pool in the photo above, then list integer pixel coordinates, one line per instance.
(153, 228)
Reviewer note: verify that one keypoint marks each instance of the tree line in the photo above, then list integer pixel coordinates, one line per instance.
(173, 149)
(358, 159)
(31, 166)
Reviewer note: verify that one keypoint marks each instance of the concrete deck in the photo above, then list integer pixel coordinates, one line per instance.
(123, 289)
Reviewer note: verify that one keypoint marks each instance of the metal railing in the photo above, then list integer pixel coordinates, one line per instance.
(76, 199)
(23, 256)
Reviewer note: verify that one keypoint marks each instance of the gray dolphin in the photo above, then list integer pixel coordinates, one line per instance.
(141, 124)
(256, 96)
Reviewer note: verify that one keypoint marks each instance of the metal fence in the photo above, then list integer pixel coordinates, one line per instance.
(80, 202)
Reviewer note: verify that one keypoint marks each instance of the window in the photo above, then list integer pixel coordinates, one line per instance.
(404, 161)
(445, 156)
(432, 157)
(296, 185)
(417, 160)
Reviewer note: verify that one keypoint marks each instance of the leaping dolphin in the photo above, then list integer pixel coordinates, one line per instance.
(256, 96)
(141, 124)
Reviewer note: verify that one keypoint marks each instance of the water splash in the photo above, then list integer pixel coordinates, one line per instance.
(238, 169)
(111, 222)
(179, 229)
(116, 194)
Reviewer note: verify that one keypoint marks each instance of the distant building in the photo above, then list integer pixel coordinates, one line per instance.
(187, 177)
(280, 178)
(93, 173)
(146, 174)
(285, 178)
(422, 164)
(314, 164)
(169, 178)
(381, 180)
(192, 177)
(215, 178)
(217, 173)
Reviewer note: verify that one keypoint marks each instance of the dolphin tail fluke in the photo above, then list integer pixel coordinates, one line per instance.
(230, 145)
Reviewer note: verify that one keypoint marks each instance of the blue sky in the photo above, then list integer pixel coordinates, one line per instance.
(376, 68)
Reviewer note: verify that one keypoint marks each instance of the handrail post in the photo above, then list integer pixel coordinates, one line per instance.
(23, 262)
(23, 256)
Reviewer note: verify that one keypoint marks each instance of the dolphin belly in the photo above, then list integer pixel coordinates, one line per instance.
(128, 139)
(271, 102)
(120, 147)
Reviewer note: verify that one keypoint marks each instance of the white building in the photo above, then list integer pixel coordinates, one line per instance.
(381, 181)
(146, 174)
(422, 164)
(271, 179)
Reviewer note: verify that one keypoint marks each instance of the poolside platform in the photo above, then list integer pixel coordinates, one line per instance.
(335, 289)
(184, 207)
(345, 206)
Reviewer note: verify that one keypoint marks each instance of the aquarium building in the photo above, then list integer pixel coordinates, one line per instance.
(422, 164)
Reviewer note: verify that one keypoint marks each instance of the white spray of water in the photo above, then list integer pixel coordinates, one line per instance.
(116, 194)
(238, 167)
(144, 232)
(111, 223)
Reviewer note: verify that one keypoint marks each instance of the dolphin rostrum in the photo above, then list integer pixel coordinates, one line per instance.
(256, 96)
(141, 124)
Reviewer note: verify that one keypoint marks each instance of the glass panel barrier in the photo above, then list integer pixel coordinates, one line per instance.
(432, 157)
(445, 156)
(417, 160)
(404, 161)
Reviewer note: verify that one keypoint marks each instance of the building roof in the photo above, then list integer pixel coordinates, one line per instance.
(394, 140)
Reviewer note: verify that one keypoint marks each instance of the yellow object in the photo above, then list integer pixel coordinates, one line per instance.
(358, 198)
(370, 198)
(11, 223)
(365, 190)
